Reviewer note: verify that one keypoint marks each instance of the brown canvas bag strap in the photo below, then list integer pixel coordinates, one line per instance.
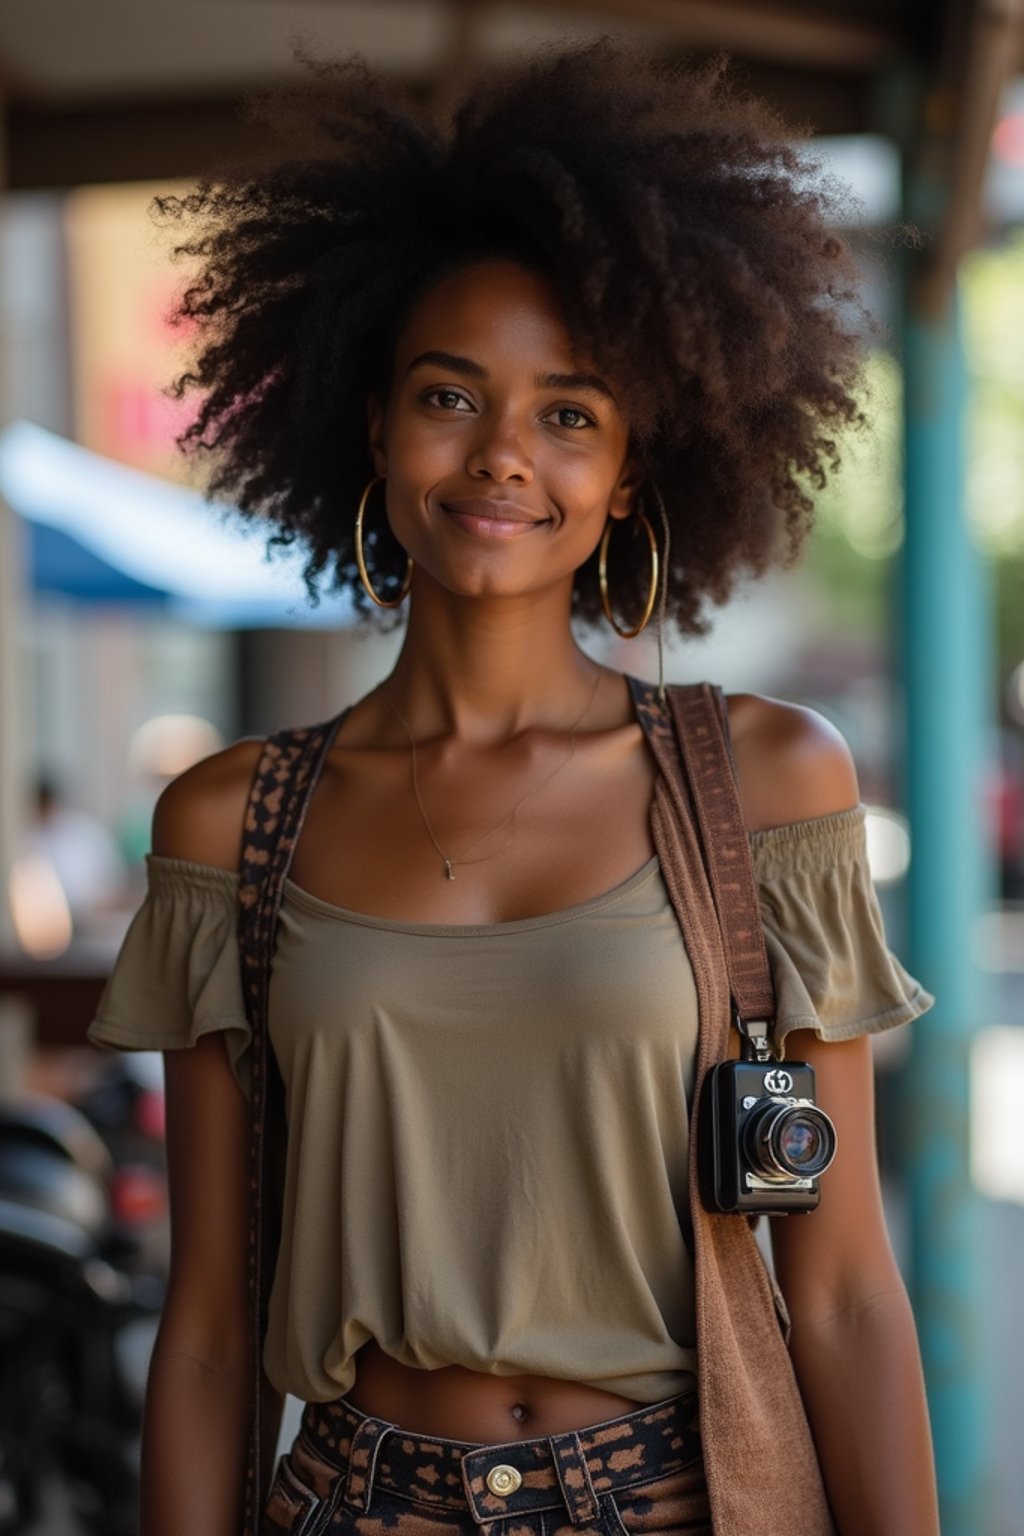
(285, 777)
(745, 1374)
(702, 728)
(690, 741)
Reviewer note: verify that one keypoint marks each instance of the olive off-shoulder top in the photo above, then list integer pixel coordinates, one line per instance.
(488, 1124)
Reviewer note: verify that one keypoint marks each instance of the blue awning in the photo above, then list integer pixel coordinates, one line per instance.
(99, 532)
(59, 566)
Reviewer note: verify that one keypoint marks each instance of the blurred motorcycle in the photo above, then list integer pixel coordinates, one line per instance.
(78, 1313)
(124, 1101)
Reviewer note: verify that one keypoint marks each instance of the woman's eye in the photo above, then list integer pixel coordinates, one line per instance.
(447, 399)
(579, 420)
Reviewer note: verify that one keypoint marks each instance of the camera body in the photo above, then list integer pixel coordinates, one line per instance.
(763, 1140)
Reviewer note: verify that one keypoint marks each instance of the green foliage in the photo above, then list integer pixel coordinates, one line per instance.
(860, 516)
(992, 285)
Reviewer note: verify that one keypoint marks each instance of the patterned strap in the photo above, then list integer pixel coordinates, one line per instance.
(689, 736)
(282, 786)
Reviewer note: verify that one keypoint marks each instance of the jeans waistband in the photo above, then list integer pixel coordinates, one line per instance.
(520, 1477)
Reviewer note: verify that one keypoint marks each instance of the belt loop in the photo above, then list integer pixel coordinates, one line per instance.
(362, 1461)
(574, 1478)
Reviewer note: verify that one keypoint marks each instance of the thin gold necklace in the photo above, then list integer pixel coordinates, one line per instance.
(450, 861)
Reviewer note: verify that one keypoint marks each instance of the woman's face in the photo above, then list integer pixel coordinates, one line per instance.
(504, 453)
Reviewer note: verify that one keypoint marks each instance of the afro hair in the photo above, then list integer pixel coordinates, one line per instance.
(693, 254)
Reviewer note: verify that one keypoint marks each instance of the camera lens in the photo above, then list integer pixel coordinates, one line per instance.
(802, 1142)
(789, 1141)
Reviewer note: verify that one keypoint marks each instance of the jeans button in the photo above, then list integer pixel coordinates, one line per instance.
(503, 1480)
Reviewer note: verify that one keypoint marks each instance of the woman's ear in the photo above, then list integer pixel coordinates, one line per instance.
(626, 490)
(375, 417)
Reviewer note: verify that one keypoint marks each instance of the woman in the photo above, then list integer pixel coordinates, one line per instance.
(602, 306)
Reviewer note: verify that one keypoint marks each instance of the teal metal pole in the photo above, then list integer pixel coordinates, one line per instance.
(944, 620)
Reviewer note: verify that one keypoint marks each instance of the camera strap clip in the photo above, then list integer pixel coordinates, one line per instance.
(754, 1034)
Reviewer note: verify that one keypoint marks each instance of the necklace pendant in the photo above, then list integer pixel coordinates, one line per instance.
(449, 872)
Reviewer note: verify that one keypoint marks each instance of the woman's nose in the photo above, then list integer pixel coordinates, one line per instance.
(499, 453)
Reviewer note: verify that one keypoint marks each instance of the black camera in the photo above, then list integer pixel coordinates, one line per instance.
(763, 1140)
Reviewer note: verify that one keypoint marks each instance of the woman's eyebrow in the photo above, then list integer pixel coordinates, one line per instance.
(466, 365)
(449, 360)
(574, 381)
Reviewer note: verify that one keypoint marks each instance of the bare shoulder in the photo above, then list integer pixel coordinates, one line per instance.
(199, 815)
(791, 762)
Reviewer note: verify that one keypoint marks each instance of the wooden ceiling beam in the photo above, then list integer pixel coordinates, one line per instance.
(804, 35)
(807, 36)
(817, 67)
(52, 146)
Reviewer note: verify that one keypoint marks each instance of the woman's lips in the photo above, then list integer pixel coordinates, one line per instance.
(492, 519)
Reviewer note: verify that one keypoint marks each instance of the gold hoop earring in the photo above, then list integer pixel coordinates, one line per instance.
(364, 575)
(602, 576)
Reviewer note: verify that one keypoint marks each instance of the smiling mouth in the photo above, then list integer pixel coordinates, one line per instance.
(492, 519)
(485, 506)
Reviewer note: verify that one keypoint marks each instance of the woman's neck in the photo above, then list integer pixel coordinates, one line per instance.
(483, 672)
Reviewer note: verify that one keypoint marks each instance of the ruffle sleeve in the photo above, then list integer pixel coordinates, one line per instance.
(176, 976)
(833, 970)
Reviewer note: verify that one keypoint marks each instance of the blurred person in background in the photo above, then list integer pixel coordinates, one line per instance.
(488, 370)
(68, 875)
(84, 855)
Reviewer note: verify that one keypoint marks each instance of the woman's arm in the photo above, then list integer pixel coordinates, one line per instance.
(853, 1343)
(197, 1397)
(197, 1394)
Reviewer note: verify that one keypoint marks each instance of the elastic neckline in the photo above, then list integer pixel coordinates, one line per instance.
(300, 897)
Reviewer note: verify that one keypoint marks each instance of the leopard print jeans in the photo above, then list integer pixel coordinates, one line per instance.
(638, 1475)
